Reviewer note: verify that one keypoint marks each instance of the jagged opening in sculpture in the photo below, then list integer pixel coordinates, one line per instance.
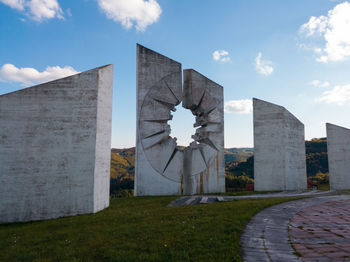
(182, 126)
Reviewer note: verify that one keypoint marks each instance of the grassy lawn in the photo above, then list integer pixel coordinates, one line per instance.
(136, 229)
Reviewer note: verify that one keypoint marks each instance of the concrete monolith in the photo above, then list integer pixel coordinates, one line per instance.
(55, 141)
(279, 148)
(338, 147)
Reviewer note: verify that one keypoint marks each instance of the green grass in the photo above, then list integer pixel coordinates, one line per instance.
(323, 187)
(136, 229)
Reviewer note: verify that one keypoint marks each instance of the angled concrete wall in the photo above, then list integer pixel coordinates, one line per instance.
(55, 141)
(338, 147)
(161, 167)
(204, 168)
(279, 148)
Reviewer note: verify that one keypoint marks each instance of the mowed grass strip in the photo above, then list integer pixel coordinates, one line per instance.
(136, 229)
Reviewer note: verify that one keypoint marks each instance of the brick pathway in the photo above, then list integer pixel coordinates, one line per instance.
(269, 236)
(322, 232)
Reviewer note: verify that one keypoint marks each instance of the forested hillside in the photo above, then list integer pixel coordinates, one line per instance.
(123, 161)
(239, 166)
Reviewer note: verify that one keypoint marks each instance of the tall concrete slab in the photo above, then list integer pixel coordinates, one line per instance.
(338, 147)
(204, 169)
(162, 168)
(158, 163)
(279, 148)
(55, 141)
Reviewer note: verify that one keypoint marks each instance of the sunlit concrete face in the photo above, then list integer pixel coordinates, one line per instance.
(55, 141)
(162, 168)
(338, 147)
(279, 148)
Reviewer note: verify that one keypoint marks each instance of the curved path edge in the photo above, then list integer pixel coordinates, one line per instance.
(266, 237)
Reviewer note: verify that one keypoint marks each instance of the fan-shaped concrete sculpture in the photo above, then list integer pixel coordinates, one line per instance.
(162, 168)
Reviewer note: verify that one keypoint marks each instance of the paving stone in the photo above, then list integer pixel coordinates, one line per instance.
(312, 225)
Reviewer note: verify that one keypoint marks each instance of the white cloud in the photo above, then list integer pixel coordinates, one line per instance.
(333, 30)
(241, 107)
(338, 95)
(221, 55)
(315, 25)
(38, 10)
(318, 83)
(16, 4)
(263, 66)
(30, 76)
(141, 12)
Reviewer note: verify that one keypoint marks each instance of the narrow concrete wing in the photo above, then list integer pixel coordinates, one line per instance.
(279, 148)
(338, 147)
(204, 170)
(55, 147)
(159, 89)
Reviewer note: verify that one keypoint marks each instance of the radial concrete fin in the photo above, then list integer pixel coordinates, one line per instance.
(55, 147)
(279, 148)
(338, 147)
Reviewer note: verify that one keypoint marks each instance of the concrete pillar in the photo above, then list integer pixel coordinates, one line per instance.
(338, 147)
(55, 141)
(279, 148)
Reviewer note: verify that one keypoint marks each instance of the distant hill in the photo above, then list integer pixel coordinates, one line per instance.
(239, 162)
(316, 156)
(238, 154)
(123, 160)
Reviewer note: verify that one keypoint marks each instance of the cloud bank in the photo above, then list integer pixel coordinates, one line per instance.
(38, 10)
(333, 32)
(221, 56)
(241, 107)
(318, 83)
(140, 13)
(339, 95)
(263, 67)
(30, 76)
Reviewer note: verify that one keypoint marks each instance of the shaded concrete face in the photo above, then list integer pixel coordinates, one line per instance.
(279, 148)
(204, 167)
(162, 168)
(55, 141)
(338, 147)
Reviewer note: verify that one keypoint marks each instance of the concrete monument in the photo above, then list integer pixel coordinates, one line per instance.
(204, 165)
(55, 142)
(338, 147)
(161, 167)
(279, 148)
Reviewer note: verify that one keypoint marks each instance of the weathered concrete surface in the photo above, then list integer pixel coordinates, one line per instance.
(158, 163)
(162, 168)
(338, 147)
(204, 166)
(279, 148)
(55, 141)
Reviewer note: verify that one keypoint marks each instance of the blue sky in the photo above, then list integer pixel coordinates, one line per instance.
(292, 53)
